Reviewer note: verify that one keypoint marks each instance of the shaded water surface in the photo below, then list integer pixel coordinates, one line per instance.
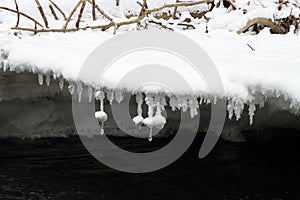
(61, 168)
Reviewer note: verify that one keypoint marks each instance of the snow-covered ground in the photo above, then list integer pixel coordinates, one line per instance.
(272, 69)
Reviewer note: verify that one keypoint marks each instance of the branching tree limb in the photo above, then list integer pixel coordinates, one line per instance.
(59, 10)
(145, 11)
(23, 14)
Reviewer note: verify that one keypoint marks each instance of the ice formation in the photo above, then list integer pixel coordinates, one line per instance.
(101, 116)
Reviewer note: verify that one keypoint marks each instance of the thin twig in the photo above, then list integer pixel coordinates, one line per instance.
(23, 14)
(250, 47)
(175, 10)
(161, 25)
(59, 10)
(18, 15)
(80, 13)
(101, 11)
(53, 11)
(42, 12)
(94, 10)
(71, 14)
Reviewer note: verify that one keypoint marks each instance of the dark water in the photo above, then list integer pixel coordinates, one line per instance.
(63, 169)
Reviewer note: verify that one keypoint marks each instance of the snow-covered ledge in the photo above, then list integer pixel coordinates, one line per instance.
(261, 86)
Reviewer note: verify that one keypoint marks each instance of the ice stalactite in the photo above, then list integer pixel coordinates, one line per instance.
(251, 110)
(149, 120)
(79, 90)
(193, 105)
(173, 103)
(40, 79)
(48, 79)
(238, 108)
(138, 120)
(110, 96)
(90, 93)
(61, 83)
(154, 121)
(101, 116)
(71, 88)
(183, 103)
(5, 65)
(230, 108)
(119, 96)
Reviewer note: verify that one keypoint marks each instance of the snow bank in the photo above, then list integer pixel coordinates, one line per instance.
(271, 70)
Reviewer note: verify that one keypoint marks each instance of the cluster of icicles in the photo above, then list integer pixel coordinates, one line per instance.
(156, 104)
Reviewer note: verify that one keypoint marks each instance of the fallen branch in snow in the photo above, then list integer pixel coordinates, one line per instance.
(250, 47)
(161, 25)
(23, 14)
(143, 14)
(59, 10)
(187, 26)
(262, 21)
(42, 13)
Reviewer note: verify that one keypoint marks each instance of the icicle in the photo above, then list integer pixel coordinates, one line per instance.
(5, 65)
(173, 103)
(48, 79)
(183, 104)
(90, 93)
(163, 102)
(40, 79)
(149, 120)
(208, 100)
(101, 116)
(71, 88)
(201, 101)
(138, 120)
(54, 75)
(262, 104)
(79, 91)
(286, 97)
(251, 112)
(193, 105)
(230, 108)
(119, 96)
(61, 83)
(110, 96)
(277, 93)
(238, 108)
(215, 99)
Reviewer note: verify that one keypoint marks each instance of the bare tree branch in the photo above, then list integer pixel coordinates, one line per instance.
(59, 10)
(83, 3)
(53, 11)
(23, 14)
(71, 14)
(262, 21)
(42, 12)
(18, 15)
